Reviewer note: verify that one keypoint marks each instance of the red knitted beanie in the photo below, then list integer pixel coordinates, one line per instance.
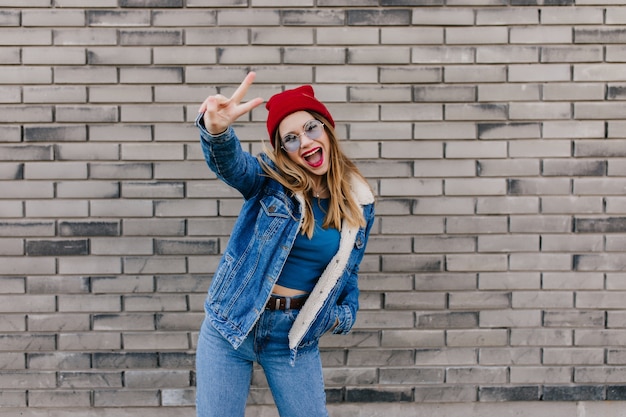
(283, 104)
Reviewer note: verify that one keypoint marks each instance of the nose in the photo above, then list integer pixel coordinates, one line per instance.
(304, 140)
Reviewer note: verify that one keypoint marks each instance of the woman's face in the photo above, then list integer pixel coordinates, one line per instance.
(313, 154)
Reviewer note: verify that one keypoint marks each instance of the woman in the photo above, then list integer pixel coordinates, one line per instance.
(289, 272)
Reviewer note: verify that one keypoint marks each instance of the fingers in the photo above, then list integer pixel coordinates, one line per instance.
(248, 106)
(241, 91)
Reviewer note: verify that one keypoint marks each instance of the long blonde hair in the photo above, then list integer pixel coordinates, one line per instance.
(342, 206)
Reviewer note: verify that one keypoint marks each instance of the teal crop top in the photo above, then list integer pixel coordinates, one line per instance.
(308, 257)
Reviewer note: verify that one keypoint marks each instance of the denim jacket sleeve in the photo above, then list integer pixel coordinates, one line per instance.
(226, 158)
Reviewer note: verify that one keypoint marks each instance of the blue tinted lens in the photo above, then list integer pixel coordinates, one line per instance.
(291, 142)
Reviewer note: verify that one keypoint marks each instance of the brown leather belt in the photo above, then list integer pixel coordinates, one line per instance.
(285, 303)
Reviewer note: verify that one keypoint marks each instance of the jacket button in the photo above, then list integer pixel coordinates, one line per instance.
(271, 209)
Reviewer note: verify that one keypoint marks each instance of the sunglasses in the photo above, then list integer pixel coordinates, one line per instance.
(312, 129)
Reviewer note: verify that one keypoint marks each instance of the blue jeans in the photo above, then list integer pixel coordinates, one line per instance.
(224, 374)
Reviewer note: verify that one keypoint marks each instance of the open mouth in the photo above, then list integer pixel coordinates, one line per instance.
(314, 158)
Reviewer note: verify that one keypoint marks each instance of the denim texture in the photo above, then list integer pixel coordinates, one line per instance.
(224, 373)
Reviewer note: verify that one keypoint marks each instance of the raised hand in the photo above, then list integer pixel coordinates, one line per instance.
(220, 112)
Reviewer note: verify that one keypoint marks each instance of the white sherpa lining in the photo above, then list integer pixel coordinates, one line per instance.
(327, 281)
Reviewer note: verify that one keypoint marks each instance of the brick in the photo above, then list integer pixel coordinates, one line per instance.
(518, 168)
(480, 74)
(378, 17)
(513, 92)
(216, 36)
(121, 208)
(517, 130)
(478, 186)
(455, 149)
(139, 113)
(54, 321)
(593, 148)
(476, 35)
(13, 399)
(546, 148)
(442, 17)
(10, 18)
(116, 18)
(164, 302)
(528, 186)
(12, 247)
(411, 36)
(126, 398)
(120, 171)
(153, 190)
(470, 111)
(509, 356)
(88, 114)
(194, 208)
(153, 227)
(537, 111)
(151, 75)
(55, 55)
(33, 114)
(12, 285)
(597, 72)
(118, 94)
(134, 37)
(57, 170)
(160, 341)
(112, 133)
(96, 36)
(599, 375)
(476, 337)
(29, 380)
(11, 94)
(13, 323)
(122, 322)
(151, 3)
(411, 375)
(520, 393)
(379, 395)
(347, 36)
(585, 356)
(445, 394)
(56, 248)
(87, 151)
(82, 341)
(145, 265)
(95, 3)
(53, 18)
(59, 398)
(110, 56)
(542, 35)
(599, 35)
(179, 321)
(26, 36)
(541, 337)
(89, 379)
(58, 208)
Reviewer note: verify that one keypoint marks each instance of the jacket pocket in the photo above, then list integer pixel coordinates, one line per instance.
(221, 279)
(272, 217)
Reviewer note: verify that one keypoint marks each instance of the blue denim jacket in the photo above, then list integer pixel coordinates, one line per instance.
(260, 242)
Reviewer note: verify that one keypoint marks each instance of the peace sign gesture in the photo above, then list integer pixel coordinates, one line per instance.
(220, 112)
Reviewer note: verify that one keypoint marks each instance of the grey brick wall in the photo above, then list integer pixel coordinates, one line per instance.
(492, 133)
